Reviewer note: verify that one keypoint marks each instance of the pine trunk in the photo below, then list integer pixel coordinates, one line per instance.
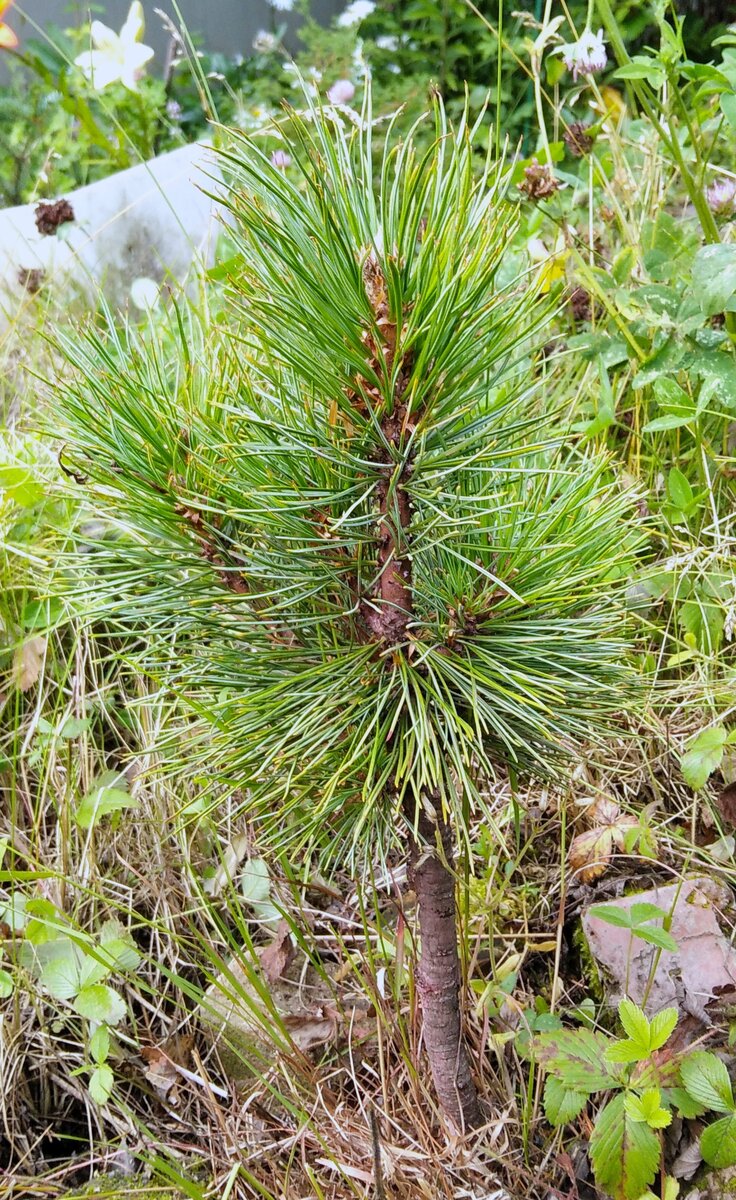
(439, 978)
(387, 616)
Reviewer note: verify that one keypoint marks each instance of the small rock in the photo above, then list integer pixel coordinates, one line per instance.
(153, 221)
(704, 964)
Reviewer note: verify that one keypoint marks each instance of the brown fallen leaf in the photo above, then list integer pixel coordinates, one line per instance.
(27, 663)
(160, 1070)
(591, 851)
(311, 1029)
(276, 957)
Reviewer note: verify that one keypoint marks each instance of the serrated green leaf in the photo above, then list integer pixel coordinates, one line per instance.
(661, 1027)
(703, 756)
(62, 962)
(625, 1051)
(611, 914)
(684, 1103)
(99, 1044)
(100, 1003)
(117, 947)
(656, 937)
(706, 1079)
(625, 1154)
(101, 1084)
(635, 1025)
(562, 1104)
(577, 1058)
(644, 910)
(648, 1107)
(718, 1142)
(92, 971)
(714, 277)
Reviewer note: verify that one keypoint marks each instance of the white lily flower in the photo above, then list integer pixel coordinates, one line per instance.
(117, 56)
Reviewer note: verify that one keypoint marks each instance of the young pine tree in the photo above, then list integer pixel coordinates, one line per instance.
(380, 579)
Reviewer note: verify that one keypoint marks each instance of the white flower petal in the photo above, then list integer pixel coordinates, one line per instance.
(103, 36)
(135, 23)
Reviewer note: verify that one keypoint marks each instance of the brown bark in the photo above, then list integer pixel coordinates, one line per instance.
(439, 980)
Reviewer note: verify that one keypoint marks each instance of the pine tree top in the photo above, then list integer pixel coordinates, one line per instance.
(382, 576)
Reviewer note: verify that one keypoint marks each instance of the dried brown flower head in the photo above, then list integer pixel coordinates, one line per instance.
(580, 304)
(31, 278)
(538, 182)
(577, 139)
(50, 214)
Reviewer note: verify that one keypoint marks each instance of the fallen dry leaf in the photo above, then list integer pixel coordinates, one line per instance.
(160, 1071)
(591, 851)
(278, 954)
(307, 1029)
(164, 1064)
(27, 663)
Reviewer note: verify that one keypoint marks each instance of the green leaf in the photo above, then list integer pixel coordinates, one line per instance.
(19, 486)
(703, 756)
(611, 914)
(41, 614)
(635, 1024)
(625, 1051)
(644, 910)
(60, 971)
(562, 1104)
(671, 1190)
(101, 1084)
(669, 394)
(718, 1142)
(672, 421)
(706, 1079)
(714, 277)
(255, 884)
(6, 984)
(661, 1027)
(679, 490)
(728, 108)
(118, 949)
(647, 1107)
(685, 1105)
(101, 801)
(624, 1153)
(623, 264)
(661, 938)
(99, 1044)
(577, 1058)
(73, 727)
(100, 1003)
